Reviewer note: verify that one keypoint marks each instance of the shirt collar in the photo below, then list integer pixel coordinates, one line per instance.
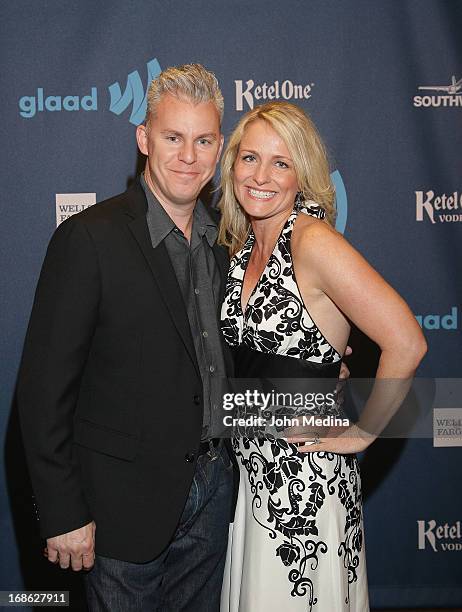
(204, 224)
(160, 223)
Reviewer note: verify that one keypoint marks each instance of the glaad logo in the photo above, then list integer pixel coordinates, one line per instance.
(442, 538)
(341, 201)
(452, 95)
(134, 93)
(30, 105)
(274, 91)
(436, 321)
(438, 208)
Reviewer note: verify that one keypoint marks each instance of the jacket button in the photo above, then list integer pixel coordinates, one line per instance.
(189, 457)
(197, 399)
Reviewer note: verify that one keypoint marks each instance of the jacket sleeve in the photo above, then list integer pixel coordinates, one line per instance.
(56, 348)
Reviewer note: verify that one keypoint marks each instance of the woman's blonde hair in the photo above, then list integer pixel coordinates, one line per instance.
(310, 162)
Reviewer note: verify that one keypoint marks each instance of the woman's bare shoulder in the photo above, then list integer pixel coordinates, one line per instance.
(315, 236)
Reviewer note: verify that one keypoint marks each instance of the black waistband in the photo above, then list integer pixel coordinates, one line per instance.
(255, 364)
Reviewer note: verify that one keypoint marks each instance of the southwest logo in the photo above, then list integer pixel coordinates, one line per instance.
(451, 96)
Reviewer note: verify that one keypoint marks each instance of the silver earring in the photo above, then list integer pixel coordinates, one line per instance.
(299, 199)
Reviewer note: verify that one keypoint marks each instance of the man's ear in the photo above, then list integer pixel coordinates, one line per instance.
(142, 139)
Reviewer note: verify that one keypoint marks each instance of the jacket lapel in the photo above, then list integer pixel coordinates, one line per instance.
(222, 260)
(161, 268)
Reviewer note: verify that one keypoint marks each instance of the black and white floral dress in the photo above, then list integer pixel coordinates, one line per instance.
(297, 539)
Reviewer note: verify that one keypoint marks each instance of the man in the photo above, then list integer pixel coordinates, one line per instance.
(121, 361)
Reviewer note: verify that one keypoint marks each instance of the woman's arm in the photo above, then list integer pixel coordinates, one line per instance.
(336, 269)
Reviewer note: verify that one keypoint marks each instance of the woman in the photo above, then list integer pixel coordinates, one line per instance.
(294, 284)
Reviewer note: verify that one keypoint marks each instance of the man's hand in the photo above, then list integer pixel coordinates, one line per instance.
(344, 371)
(343, 376)
(76, 548)
(341, 440)
(348, 443)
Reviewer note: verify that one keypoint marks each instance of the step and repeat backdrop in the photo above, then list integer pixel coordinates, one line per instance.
(382, 81)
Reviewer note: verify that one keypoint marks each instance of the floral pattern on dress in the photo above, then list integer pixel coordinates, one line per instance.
(286, 506)
(275, 318)
(290, 491)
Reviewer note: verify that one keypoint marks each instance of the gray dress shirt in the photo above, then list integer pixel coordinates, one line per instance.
(198, 276)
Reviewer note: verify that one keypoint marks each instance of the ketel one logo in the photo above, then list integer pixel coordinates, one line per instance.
(438, 207)
(135, 93)
(249, 92)
(438, 537)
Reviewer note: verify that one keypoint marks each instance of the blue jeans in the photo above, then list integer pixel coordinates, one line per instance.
(188, 575)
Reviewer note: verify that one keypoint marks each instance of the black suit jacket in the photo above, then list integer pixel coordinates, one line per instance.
(109, 392)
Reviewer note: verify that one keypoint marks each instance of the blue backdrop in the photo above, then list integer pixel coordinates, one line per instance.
(73, 80)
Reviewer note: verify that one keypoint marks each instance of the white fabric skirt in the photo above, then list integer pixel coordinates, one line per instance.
(297, 538)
